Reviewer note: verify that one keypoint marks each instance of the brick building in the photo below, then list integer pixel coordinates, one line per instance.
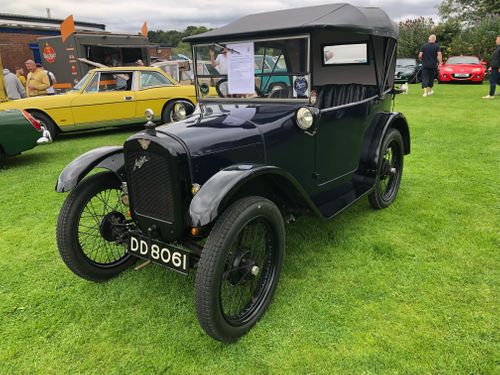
(18, 36)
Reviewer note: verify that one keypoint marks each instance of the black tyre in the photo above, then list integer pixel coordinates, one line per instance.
(90, 229)
(389, 170)
(47, 123)
(239, 268)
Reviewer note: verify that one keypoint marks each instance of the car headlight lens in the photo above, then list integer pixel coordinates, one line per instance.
(305, 118)
(476, 70)
(448, 69)
(180, 111)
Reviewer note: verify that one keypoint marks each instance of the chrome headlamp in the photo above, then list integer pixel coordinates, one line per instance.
(305, 118)
(179, 111)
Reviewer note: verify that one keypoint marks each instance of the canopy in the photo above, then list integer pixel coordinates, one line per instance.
(366, 20)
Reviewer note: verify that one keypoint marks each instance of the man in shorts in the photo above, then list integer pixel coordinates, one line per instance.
(430, 54)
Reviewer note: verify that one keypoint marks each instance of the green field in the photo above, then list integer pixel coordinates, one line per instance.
(413, 289)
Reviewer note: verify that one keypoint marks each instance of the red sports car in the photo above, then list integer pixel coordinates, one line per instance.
(462, 69)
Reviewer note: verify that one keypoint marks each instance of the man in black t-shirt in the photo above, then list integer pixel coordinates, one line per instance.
(430, 54)
(494, 71)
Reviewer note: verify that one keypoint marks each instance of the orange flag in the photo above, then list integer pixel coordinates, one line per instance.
(67, 28)
(144, 30)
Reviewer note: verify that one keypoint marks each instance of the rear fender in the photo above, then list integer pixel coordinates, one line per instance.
(375, 136)
(107, 157)
(237, 181)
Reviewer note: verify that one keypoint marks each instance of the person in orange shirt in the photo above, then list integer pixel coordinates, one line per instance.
(37, 81)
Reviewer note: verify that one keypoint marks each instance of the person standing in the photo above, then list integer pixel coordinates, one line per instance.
(20, 75)
(37, 81)
(494, 71)
(13, 86)
(220, 63)
(431, 55)
(52, 79)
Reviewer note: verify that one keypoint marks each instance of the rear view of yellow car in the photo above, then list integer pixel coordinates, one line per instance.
(111, 97)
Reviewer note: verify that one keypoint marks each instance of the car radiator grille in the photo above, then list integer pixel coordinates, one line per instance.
(150, 185)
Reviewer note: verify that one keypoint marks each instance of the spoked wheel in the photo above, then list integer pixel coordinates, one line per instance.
(390, 170)
(91, 230)
(239, 268)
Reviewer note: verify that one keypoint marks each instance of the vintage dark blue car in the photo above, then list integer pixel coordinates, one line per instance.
(213, 191)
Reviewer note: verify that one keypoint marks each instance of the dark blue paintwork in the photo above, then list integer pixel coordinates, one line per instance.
(108, 157)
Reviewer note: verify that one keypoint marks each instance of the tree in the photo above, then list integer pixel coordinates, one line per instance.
(172, 38)
(470, 12)
(479, 40)
(413, 33)
(447, 34)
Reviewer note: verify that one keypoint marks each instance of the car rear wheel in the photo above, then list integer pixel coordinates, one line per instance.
(47, 123)
(389, 170)
(91, 232)
(239, 268)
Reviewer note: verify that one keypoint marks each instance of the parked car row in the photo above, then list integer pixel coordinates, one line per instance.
(468, 69)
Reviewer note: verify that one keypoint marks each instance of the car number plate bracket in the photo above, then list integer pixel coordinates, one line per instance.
(159, 252)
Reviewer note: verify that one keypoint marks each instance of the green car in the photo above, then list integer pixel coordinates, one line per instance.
(19, 132)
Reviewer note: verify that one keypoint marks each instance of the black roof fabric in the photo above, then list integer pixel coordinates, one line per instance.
(343, 16)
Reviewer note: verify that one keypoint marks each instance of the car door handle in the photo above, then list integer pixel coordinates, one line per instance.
(127, 98)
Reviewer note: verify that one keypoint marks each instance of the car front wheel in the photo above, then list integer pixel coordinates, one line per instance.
(389, 170)
(239, 268)
(91, 231)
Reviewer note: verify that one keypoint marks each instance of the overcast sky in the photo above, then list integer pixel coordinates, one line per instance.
(128, 15)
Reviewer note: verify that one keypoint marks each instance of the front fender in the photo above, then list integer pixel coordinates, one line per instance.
(215, 195)
(108, 157)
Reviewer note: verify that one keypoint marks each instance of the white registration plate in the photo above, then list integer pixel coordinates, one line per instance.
(461, 75)
(159, 252)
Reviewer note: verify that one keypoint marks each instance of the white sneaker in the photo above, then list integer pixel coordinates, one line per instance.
(424, 94)
(488, 97)
(431, 92)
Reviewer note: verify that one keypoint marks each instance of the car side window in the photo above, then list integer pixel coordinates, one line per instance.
(93, 86)
(115, 82)
(153, 79)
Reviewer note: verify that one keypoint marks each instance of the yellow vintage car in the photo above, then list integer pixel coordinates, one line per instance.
(111, 97)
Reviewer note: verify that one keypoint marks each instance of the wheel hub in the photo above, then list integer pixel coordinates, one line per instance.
(387, 169)
(243, 268)
(111, 226)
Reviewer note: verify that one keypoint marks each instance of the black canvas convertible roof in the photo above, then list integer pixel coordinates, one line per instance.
(367, 20)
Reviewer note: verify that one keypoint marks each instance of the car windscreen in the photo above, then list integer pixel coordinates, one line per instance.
(81, 82)
(269, 69)
(463, 60)
(406, 63)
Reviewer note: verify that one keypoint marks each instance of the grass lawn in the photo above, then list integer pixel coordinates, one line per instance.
(413, 289)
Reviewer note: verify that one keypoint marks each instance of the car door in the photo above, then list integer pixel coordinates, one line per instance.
(338, 142)
(108, 100)
(154, 90)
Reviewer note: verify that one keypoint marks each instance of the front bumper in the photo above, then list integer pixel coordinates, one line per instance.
(452, 77)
